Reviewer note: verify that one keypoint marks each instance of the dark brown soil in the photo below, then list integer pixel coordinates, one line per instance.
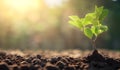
(93, 61)
(97, 61)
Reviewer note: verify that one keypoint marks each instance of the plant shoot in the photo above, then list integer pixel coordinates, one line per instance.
(91, 25)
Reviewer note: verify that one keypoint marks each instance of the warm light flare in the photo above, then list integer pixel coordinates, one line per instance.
(22, 5)
(53, 3)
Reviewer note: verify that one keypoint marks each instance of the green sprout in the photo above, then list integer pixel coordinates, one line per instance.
(91, 25)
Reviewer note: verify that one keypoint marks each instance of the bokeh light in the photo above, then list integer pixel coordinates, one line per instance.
(21, 5)
(53, 3)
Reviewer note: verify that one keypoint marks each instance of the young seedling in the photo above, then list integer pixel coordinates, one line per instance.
(91, 25)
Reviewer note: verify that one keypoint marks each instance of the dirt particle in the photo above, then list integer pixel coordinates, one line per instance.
(61, 64)
(52, 67)
(3, 66)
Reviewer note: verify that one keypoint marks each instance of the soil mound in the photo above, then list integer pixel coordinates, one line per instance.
(97, 61)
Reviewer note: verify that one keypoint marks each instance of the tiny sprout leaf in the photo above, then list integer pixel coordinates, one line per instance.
(103, 15)
(74, 18)
(96, 30)
(91, 24)
(99, 29)
(99, 10)
(76, 21)
(103, 28)
(89, 18)
(88, 32)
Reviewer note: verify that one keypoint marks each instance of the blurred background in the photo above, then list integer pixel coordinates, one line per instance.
(43, 24)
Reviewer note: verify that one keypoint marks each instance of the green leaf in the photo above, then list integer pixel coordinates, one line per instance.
(88, 32)
(98, 10)
(89, 18)
(103, 28)
(96, 30)
(103, 15)
(93, 29)
(99, 29)
(76, 21)
(74, 18)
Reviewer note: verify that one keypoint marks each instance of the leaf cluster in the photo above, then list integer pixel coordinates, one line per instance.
(91, 24)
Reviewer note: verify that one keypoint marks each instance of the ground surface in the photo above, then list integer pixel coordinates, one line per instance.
(66, 60)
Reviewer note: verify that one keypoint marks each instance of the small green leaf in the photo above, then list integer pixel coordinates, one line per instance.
(74, 18)
(76, 21)
(73, 23)
(103, 15)
(88, 32)
(89, 18)
(93, 28)
(99, 10)
(99, 29)
(103, 28)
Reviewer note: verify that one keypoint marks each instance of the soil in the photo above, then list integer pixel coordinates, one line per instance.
(93, 61)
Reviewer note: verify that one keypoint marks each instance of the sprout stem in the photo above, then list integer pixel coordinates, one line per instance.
(93, 43)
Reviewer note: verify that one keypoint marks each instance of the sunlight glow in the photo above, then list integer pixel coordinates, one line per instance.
(52, 3)
(21, 5)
